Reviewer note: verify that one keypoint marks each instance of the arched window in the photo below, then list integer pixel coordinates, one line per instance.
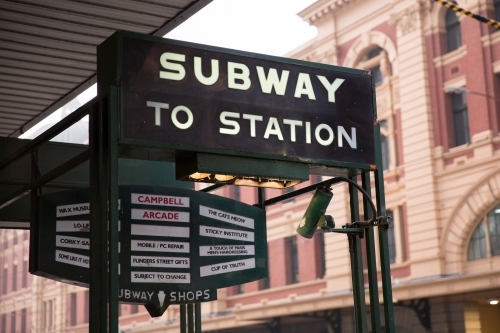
(453, 34)
(384, 143)
(376, 60)
(494, 231)
(477, 244)
(485, 240)
(377, 74)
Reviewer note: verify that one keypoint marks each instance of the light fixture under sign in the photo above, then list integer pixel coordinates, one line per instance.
(240, 171)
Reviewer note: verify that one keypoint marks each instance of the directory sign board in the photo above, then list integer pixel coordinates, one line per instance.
(190, 97)
(176, 245)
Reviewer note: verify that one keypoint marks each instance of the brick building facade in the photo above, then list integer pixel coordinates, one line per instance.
(438, 101)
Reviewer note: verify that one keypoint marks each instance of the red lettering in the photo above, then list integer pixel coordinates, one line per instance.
(141, 198)
(161, 215)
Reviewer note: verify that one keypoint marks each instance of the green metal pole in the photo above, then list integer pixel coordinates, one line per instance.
(183, 318)
(358, 287)
(197, 319)
(112, 159)
(34, 212)
(262, 197)
(371, 260)
(385, 264)
(190, 315)
(98, 217)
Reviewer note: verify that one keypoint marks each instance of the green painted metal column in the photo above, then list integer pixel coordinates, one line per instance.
(358, 288)
(183, 318)
(371, 260)
(103, 137)
(385, 264)
(112, 161)
(197, 319)
(98, 217)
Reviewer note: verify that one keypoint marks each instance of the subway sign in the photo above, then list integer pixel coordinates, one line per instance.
(176, 246)
(189, 97)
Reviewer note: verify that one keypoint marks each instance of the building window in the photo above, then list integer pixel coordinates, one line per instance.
(286, 191)
(72, 317)
(47, 315)
(376, 72)
(13, 322)
(485, 240)
(86, 306)
(384, 143)
(321, 255)
(460, 118)
(240, 289)
(453, 34)
(14, 278)
(43, 319)
(293, 260)
(24, 321)
(4, 283)
(496, 5)
(4, 323)
(14, 239)
(134, 308)
(402, 233)
(494, 231)
(50, 315)
(25, 274)
(265, 282)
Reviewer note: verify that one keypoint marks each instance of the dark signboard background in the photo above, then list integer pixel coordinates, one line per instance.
(141, 83)
(59, 257)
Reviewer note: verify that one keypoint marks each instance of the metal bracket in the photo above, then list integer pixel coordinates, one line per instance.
(332, 317)
(348, 231)
(422, 310)
(384, 221)
(274, 325)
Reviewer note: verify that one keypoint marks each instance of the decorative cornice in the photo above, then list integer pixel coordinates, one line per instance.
(406, 20)
(323, 8)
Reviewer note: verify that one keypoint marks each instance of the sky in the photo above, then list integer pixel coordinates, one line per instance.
(261, 26)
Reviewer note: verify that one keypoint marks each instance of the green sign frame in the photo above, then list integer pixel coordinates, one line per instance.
(177, 245)
(321, 116)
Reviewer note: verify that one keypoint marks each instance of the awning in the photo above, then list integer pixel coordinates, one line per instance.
(48, 49)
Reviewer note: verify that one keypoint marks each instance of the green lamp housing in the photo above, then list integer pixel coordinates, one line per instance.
(314, 216)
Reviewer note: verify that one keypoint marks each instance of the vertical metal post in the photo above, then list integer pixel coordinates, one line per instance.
(262, 197)
(183, 318)
(112, 161)
(371, 258)
(190, 315)
(98, 217)
(357, 266)
(385, 264)
(33, 211)
(103, 137)
(197, 319)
